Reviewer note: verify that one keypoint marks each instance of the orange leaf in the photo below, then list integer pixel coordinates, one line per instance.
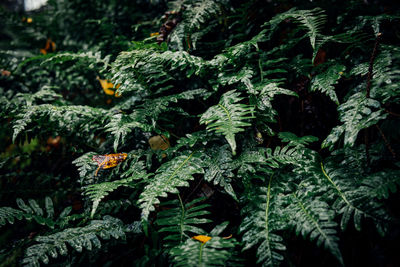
(202, 238)
(49, 47)
(109, 160)
(106, 85)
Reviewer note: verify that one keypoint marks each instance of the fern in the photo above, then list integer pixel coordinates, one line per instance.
(33, 212)
(352, 201)
(262, 222)
(357, 113)
(121, 125)
(383, 184)
(85, 164)
(96, 192)
(230, 88)
(78, 238)
(228, 117)
(324, 81)
(93, 58)
(312, 20)
(196, 14)
(181, 219)
(76, 119)
(215, 252)
(219, 170)
(314, 218)
(172, 174)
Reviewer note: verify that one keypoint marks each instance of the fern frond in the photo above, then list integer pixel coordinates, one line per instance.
(228, 117)
(218, 166)
(312, 20)
(324, 81)
(121, 125)
(261, 223)
(90, 59)
(216, 251)
(178, 220)
(351, 200)
(195, 15)
(78, 238)
(293, 139)
(356, 113)
(262, 98)
(313, 218)
(383, 184)
(79, 120)
(32, 212)
(96, 192)
(172, 174)
(151, 109)
(145, 69)
(85, 165)
(9, 214)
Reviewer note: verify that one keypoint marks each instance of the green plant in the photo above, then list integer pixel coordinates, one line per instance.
(246, 134)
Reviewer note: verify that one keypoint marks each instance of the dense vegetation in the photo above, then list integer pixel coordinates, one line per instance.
(200, 133)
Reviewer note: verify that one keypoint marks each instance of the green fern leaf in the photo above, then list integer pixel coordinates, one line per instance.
(181, 219)
(172, 174)
(97, 192)
(352, 201)
(314, 219)
(324, 81)
(312, 20)
(78, 238)
(356, 113)
(228, 117)
(215, 252)
(218, 166)
(261, 223)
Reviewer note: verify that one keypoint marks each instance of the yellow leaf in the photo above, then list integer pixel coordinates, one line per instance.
(106, 85)
(29, 20)
(154, 34)
(202, 238)
(109, 160)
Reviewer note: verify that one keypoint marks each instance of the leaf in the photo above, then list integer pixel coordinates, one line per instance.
(172, 174)
(228, 117)
(324, 81)
(357, 113)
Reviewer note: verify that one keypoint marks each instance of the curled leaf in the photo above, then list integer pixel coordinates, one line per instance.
(106, 85)
(109, 160)
(202, 238)
(49, 47)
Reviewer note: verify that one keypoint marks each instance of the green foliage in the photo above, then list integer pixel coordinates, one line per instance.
(311, 20)
(357, 113)
(86, 237)
(228, 117)
(97, 192)
(181, 219)
(172, 174)
(314, 219)
(323, 82)
(258, 130)
(215, 252)
(33, 212)
(261, 224)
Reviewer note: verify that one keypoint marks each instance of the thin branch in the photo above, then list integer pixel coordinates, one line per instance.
(371, 63)
(389, 147)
